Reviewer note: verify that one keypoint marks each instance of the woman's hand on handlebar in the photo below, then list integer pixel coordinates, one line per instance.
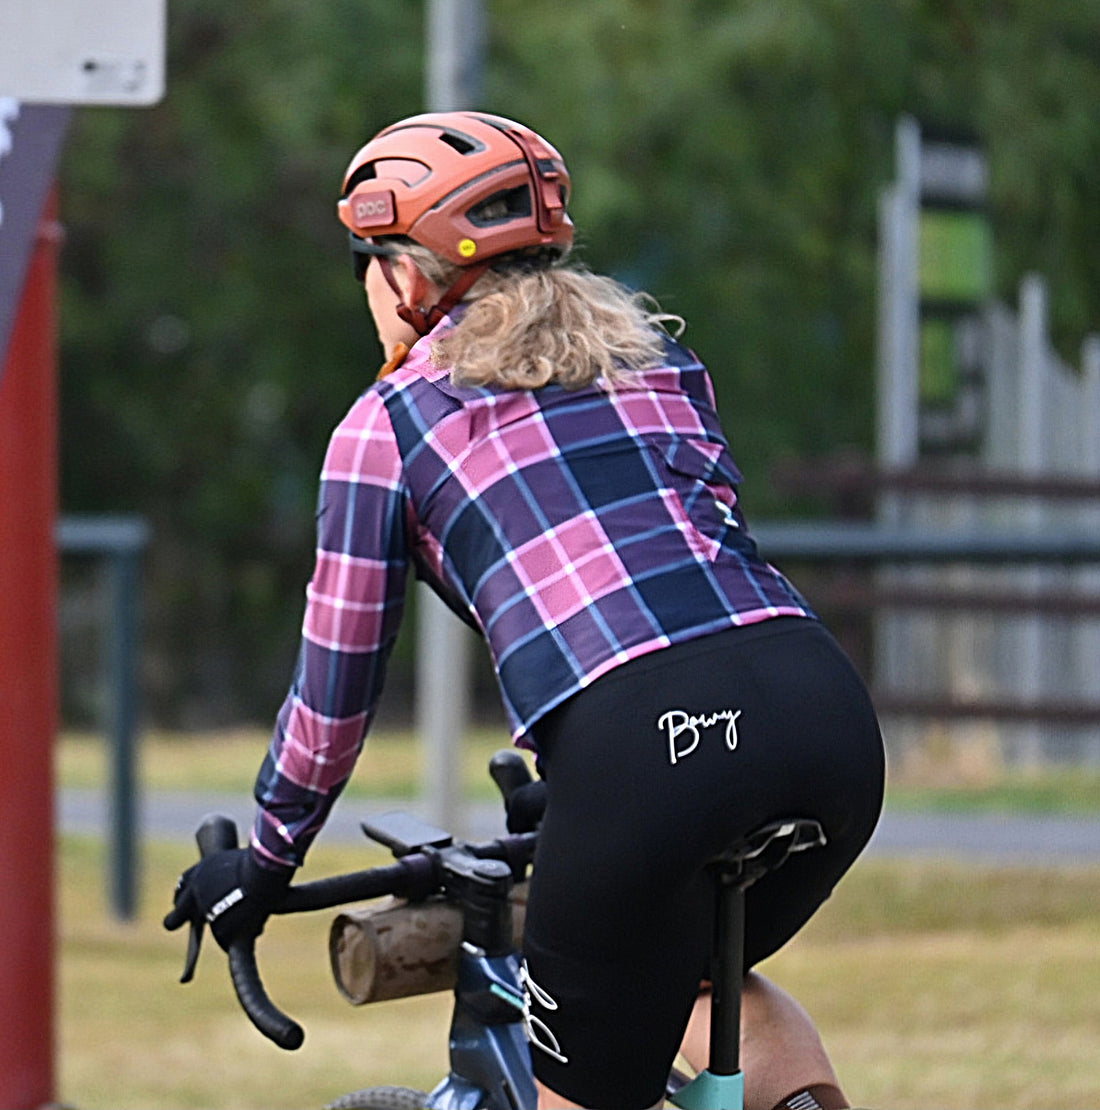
(231, 892)
(228, 889)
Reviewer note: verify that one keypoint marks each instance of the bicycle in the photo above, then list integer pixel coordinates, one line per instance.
(490, 1066)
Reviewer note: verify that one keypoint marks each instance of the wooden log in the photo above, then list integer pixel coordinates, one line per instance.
(393, 949)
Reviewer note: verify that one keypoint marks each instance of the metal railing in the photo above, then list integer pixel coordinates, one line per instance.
(863, 548)
(119, 541)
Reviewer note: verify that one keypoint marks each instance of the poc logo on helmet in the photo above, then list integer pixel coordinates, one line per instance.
(372, 209)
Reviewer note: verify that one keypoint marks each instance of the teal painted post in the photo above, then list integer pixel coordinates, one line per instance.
(124, 801)
(712, 1092)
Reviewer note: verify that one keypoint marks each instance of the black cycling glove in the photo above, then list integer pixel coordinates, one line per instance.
(229, 891)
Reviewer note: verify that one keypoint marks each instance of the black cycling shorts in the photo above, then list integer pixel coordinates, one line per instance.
(651, 772)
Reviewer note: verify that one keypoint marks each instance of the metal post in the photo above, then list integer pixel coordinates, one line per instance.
(120, 541)
(1088, 578)
(1033, 429)
(456, 47)
(899, 310)
(898, 391)
(28, 682)
(124, 579)
(456, 38)
(442, 705)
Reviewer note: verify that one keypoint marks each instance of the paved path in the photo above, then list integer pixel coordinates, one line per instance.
(990, 838)
(987, 838)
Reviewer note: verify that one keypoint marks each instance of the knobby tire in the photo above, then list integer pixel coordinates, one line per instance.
(381, 1098)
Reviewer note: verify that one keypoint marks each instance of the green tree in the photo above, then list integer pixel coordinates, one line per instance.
(728, 157)
(212, 332)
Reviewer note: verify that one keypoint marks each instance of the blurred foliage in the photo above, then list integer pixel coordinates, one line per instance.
(727, 157)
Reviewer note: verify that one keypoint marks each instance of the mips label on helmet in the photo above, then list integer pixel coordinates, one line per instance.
(467, 248)
(372, 209)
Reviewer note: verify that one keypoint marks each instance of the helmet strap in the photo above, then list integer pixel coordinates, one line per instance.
(422, 320)
(545, 184)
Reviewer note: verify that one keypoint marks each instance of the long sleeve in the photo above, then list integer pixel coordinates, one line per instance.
(354, 604)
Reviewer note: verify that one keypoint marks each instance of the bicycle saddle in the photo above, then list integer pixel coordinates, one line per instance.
(767, 848)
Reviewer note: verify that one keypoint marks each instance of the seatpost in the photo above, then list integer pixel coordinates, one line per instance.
(727, 975)
(721, 1085)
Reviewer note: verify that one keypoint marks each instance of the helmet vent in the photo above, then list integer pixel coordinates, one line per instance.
(500, 208)
(459, 142)
(366, 172)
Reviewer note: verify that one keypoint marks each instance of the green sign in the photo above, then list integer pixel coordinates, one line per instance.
(956, 256)
(939, 372)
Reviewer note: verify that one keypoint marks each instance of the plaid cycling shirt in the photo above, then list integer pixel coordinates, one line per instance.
(576, 529)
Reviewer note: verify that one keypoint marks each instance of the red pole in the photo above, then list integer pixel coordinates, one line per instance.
(28, 682)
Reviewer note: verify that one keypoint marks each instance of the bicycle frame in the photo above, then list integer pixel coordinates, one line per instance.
(490, 1058)
(490, 1061)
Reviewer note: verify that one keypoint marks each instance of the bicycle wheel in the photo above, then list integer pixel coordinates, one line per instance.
(381, 1098)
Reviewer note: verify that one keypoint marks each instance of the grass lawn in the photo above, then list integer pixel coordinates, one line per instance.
(228, 761)
(391, 767)
(934, 984)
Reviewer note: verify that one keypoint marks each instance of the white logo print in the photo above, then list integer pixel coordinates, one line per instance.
(539, 1034)
(685, 730)
(227, 903)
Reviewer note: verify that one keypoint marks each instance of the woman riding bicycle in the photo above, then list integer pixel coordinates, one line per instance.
(549, 459)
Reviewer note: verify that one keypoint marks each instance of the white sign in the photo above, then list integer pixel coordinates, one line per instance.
(82, 51)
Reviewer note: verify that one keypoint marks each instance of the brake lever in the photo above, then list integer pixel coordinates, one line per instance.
(194, 944)
(214, 834)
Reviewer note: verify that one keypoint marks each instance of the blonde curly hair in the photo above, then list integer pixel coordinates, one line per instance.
(528, 325)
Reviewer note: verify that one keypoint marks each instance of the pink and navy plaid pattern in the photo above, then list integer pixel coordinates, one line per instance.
(575, 529)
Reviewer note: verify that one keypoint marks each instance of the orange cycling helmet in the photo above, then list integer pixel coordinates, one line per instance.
(468, 185)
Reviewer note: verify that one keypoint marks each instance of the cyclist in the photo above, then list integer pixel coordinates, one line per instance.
(544, 454)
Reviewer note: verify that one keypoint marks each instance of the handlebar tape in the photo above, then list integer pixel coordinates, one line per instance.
(359, 886)
(262, 1012)
(278, 1027)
